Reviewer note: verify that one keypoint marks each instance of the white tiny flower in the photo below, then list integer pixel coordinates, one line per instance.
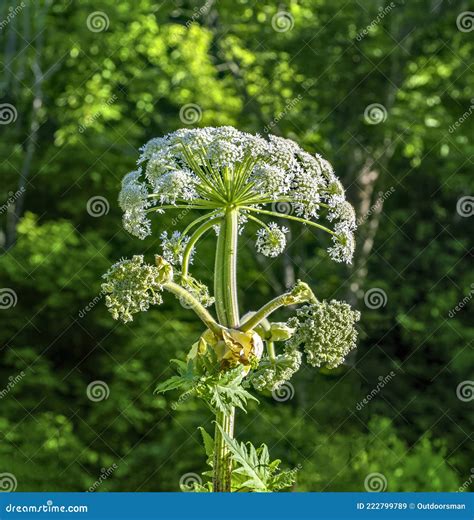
(272, 241)
(151, 147)
(335, 191)
(270, 179)
(343, 246)
(344, 212)
(173, 247)
(176, 184)
(214, 167)
(133, 201)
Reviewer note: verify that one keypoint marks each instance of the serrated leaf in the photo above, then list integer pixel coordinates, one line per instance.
(171, 384)
(282, 480)
(248, 463)
(227, 392)
(208, 445)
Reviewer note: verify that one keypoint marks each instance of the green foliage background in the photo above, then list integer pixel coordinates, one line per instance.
(87, 100)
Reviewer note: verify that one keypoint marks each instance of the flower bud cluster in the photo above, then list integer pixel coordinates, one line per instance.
(272, 374)
(132, 286)
(326, 330)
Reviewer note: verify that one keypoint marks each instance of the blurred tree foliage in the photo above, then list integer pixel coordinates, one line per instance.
(85, 101)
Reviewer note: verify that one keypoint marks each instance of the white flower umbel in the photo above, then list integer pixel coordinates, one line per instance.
(271, 240)
(173, 247)
(214, 169)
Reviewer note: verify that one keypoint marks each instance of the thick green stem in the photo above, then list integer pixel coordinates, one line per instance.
(225, 292)
(194, 304)
(300, 293)
(230, 268)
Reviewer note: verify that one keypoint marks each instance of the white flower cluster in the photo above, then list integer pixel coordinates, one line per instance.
(173, 247)
(133, 201)
(132, 286)
(213, 168)
(271, 241)
(326, 330)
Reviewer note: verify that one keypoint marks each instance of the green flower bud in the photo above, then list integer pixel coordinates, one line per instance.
(301, 293)
(270, 375)
(132, 286)
(326, 330)
(280, 331)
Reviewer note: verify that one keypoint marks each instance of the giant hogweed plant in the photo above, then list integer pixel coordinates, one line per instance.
(232, 180)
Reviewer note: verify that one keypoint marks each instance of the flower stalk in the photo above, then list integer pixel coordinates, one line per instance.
(301, 293)
(228, 315)
(186, 297)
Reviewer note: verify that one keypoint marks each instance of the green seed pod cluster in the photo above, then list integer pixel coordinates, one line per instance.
(199, 290)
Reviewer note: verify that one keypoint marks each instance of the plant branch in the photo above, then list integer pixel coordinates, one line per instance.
(192, 241)
(289, 217)
(301, 293)
(182, 294)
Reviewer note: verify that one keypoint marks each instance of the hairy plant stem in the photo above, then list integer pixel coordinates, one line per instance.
(182, 294)
(225, 293)
(301, 293)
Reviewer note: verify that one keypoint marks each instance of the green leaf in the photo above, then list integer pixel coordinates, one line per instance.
(248, 463)
(282, 480)
(171, 384)
(226, 392)
(254, 471)
(208, 445)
